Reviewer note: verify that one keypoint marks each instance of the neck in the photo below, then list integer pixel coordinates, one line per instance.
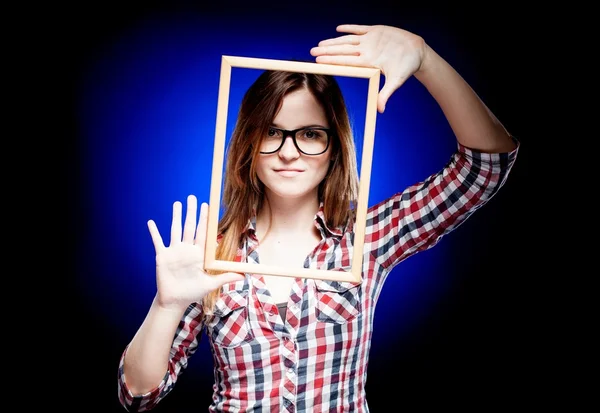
(287, 217)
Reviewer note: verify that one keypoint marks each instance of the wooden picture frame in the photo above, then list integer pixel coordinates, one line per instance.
(373, 76)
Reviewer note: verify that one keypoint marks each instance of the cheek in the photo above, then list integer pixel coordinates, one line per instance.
(321, 167)
(260, 167)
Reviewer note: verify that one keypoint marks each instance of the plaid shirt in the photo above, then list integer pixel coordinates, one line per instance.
(316, 361)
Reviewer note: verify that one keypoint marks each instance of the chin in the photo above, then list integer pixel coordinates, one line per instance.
(288, 191)
(287, 194)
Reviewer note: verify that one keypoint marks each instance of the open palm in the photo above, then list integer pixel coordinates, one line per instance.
(396, 52)
(180, 276)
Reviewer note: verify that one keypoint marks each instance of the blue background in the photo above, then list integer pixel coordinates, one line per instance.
(145, 88)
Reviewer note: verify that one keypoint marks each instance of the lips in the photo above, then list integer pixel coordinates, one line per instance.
(288, 172)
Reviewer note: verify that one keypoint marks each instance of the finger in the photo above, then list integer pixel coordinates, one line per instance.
(390, 86)
(156, 237)
(202, 226)
(176, 223)
(228, 277)
(189, 228)
(353, 28)
(348, 39)
(343, 49)
(341, 60)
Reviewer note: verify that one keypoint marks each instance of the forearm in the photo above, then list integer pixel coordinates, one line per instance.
(147, 357)
(474, 125)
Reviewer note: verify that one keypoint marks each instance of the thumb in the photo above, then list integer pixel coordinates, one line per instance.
(229, 277)
(389, 87)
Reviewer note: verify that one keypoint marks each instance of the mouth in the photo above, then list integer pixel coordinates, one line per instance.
(288, 172)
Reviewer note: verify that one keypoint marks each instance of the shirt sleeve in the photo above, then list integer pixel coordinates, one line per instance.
(417, 218)
(185, 343)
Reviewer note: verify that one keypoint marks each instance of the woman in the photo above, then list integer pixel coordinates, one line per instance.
(286, 344)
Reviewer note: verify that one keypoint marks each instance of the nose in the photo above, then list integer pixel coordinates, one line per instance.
(289, 151)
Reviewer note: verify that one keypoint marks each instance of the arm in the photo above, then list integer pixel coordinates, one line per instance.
(169, 334)
(474, 125)
(152, 362)
(147, 357)
(421, 215)
(417, 218)
(401, 54)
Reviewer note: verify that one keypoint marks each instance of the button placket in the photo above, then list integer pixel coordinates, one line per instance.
(289, 373)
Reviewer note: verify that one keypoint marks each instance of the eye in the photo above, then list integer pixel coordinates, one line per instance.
(274, 133)
(313, 134)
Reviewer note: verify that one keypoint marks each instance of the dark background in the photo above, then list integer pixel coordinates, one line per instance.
(477, 348)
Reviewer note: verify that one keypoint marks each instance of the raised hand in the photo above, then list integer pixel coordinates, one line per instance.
(180, 275)
(396, 52)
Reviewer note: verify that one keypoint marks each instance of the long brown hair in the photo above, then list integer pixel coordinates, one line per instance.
(243, 191)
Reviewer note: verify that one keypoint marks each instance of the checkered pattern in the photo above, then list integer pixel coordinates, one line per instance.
(316, 361)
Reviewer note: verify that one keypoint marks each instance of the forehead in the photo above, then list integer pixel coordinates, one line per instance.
(300, 108)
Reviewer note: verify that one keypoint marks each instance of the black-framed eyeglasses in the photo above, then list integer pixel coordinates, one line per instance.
(308, 140)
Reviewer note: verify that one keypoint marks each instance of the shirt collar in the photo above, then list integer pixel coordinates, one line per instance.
(319, 221)
(321, 224)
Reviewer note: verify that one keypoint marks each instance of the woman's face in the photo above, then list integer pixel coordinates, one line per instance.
(289, 173)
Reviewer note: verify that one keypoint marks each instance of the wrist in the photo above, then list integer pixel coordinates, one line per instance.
(427, 61)
(174, 310)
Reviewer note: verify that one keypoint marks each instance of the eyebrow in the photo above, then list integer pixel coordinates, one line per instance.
(275, 125)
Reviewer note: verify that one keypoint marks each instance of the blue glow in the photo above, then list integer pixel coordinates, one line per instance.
(148, 105)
